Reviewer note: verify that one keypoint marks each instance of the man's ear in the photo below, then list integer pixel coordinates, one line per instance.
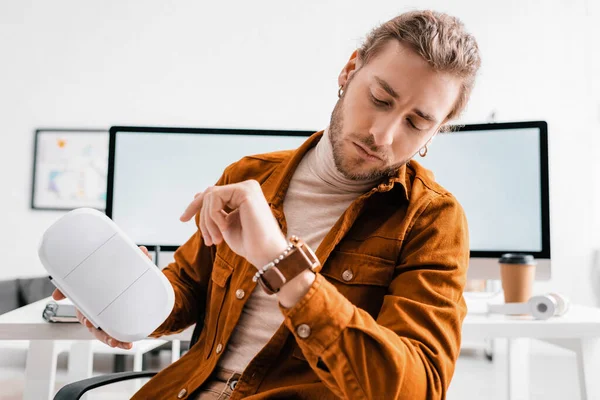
(353, 64)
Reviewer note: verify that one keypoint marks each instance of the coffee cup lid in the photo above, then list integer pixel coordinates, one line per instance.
(517, 258)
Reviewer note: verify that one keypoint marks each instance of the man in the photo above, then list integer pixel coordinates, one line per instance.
(379, 314)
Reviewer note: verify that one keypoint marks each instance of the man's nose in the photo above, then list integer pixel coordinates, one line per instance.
(385, 131)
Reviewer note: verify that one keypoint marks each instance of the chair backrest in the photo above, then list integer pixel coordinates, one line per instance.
(9, 295)
(34, 289)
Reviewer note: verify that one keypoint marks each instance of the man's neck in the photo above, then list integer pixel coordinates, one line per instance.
(321, 163)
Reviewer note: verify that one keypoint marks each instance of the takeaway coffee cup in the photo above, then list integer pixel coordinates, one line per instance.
(517, 272)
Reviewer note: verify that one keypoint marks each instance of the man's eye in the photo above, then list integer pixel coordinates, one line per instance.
(412, 125)
(378, 102)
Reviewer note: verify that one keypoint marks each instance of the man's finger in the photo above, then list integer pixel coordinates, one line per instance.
(194, 207)
(212, 206)
(145, 251)
(80, 317)
(57, 295)
(230, 218)
(87, 323)
(101, 335)
(106, 338)
(219, 217)
(203, 229)
(212, 229)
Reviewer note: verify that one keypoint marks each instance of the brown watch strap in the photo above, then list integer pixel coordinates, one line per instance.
(297, 260)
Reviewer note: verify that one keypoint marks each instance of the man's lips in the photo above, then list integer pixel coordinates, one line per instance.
(366, 152)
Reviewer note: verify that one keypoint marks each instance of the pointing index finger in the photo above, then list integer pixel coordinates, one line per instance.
(192, 208)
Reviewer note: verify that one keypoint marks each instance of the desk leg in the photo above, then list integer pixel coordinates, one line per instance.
(518, 368)
(40, 370)
(175, 350)
(81, 360)
(588, 368)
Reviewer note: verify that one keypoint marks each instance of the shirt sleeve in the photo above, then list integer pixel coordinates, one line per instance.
(189, 275)
(409, 351)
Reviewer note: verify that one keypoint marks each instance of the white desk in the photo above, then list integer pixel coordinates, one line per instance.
(48, 339)
(578, 330)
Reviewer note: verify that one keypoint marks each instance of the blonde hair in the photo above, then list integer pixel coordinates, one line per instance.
(440, 39)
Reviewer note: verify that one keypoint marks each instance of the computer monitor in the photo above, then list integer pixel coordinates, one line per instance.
(154, 172)
(499, 174)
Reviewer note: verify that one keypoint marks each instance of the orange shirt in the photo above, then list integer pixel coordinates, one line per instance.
(381, 321)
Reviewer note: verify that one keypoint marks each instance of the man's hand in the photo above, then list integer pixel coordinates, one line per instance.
(249, 229)
(98, 334)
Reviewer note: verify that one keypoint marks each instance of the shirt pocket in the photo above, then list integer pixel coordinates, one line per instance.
(361, 278)
(220, 276)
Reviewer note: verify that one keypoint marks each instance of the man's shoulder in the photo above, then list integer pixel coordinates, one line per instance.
(256, 166)
(275, 157)
(423, 182)
(427, 194)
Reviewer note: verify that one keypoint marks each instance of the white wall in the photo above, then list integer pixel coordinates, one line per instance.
(274, 64)
(593, 9)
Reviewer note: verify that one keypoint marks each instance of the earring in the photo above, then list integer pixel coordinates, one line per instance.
(421, 152)
(340, 91)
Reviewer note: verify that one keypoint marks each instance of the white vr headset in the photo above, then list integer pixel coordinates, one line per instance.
(108, 278)
(540, 307)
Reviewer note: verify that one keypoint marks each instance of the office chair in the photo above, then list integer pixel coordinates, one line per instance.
(75, 390)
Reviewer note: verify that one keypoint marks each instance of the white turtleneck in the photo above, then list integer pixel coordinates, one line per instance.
(317, 196)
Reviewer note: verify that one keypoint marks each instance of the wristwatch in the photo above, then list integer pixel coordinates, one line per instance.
(296, 258)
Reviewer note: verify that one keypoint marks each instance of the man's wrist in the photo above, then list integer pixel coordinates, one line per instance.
(271, 251)
(288, 271)
(294, 290)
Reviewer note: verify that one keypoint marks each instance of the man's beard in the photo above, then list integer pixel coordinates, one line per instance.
(335, 136)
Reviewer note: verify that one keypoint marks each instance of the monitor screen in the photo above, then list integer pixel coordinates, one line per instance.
(499, 174)
(154, 174)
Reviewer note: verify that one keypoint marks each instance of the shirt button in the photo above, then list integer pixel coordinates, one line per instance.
(303, 331)
(347, 275)
(219, 348)
(240, 294)
(182, 393)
